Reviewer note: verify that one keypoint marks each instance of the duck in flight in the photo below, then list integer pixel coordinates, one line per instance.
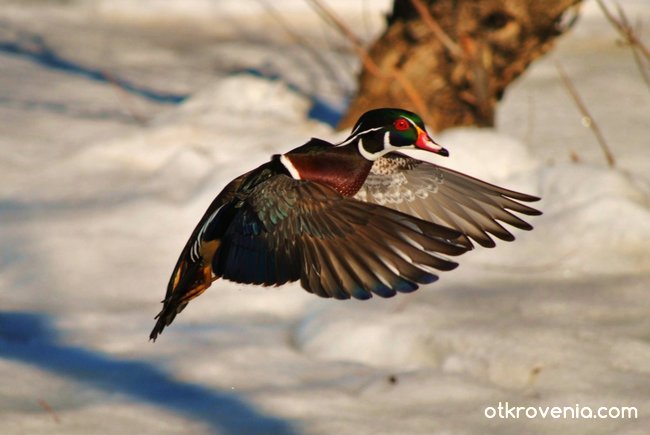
(347, 220)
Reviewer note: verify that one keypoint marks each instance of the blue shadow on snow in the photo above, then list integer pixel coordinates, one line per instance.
(29, 338)
(319, 111)
(36, 50)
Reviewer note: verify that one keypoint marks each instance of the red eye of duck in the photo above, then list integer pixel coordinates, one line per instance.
(401, 124)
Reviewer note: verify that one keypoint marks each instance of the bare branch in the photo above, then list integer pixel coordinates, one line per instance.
(371, 66)
(587, 119)
(639, 50)
(435, 28)
(307, 45)
(623, 27)
(643, 69)
(331, 18)
(472, 53)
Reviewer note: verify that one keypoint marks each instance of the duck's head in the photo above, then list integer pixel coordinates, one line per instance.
(381, 131)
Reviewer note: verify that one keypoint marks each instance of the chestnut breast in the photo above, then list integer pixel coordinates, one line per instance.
(340, 168)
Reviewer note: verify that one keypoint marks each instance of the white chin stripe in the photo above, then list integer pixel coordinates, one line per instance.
(388, 147)
(366, 155)
(289, 167)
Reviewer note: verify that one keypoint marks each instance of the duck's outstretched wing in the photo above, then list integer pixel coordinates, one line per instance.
(287, 230)
(192, 274)
(446, 197)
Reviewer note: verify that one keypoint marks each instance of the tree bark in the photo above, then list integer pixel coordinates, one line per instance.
(452, 61)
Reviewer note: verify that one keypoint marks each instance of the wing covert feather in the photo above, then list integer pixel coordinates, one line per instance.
(336, 246)
(446, 197)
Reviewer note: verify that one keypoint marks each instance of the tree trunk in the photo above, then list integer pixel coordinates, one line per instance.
(452, 61)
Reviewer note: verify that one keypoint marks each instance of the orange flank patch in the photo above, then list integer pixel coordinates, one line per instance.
(177, 274)
(206, 251)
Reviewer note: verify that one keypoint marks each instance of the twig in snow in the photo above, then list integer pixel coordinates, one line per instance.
(587, 119)
(46, 406)
(126, 99)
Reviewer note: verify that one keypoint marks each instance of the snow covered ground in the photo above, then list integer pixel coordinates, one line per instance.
(100, 185)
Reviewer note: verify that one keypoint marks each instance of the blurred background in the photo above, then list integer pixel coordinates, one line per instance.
(120, 121)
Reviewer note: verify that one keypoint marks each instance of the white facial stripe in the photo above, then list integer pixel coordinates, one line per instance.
(388, 147)
(289, 166)
(355, 129)
(355, 136)
(411, 122)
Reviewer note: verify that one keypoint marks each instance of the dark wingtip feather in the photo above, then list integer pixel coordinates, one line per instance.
(485, 242)
(158, 328)
(525, 226)
(531, 198)
(519, 196)
(360, 294)
(405, 286)
(528, 211)
(445, 265)
(340, 294)
(452, 265)
(384, 291)
(428, 278)
(507, 236)
(165, 318)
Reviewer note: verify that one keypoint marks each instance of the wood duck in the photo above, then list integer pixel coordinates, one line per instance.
(348, 220)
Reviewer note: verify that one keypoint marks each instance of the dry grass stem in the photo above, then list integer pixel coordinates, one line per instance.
(630, 37)
(313, 52)
(587, 119)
